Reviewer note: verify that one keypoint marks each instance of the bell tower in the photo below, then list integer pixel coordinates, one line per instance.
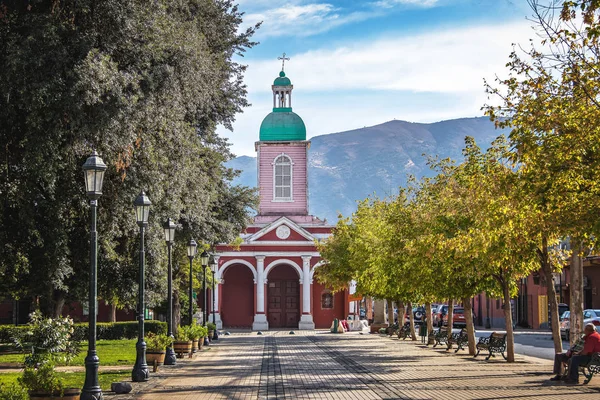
(282, 155)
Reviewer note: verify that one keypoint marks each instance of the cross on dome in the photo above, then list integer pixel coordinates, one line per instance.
(283, 60)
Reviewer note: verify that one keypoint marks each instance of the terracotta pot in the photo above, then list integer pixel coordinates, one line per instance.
(195, 345)
(211, 334)
(155, 355)
(69, 394)
(182, 348)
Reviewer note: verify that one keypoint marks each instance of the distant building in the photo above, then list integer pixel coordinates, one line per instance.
(269, 281)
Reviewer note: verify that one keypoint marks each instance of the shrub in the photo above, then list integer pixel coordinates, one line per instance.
(13, 392)
(184, 333)
(211, 326)
(157, 342)
(104, 330)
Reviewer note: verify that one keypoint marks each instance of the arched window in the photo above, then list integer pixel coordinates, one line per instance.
(283, 178)
(326, 300)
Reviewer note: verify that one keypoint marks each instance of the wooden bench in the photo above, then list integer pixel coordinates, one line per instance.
(495, 343)
(441, 336)
(459, 339)
(404, 332)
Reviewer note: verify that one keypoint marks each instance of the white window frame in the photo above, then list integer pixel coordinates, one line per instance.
(291, 164)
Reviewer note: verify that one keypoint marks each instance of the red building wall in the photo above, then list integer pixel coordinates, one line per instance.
(323, 317)
(237, 300)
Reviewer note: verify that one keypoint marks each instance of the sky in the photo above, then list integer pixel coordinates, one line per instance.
(357, 63)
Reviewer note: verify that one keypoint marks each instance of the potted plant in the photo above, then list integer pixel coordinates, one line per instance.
(211, 329)
(156, 348)
(203, 334)
(182, 344)
(49, 341)
(195, 335)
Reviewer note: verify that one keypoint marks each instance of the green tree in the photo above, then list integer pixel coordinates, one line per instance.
(144, 83)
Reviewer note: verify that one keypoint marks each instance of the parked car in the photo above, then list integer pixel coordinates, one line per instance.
(418, 314)
(564, 325)
(592, 317)
(589, 317)
(438, 316)
(562, 308)
(458, 316)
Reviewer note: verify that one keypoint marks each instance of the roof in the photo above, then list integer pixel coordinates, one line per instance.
(282, 80)
(282, 125)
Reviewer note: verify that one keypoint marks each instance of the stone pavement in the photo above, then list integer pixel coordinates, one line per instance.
(319, 365)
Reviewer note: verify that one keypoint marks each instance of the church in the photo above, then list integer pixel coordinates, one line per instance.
(269, 282)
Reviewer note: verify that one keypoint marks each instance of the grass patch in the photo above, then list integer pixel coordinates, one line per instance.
(110, 352)
(76, 379)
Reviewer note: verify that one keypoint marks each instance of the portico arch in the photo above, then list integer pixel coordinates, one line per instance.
(286, 262)
(233, 262)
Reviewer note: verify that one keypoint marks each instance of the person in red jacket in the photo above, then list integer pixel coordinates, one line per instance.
(591, 346)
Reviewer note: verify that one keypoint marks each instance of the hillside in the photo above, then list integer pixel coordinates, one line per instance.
(348, 166)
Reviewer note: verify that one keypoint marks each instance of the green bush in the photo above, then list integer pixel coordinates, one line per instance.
(157, 342)
(8, 333)
(120, 330)
(13, 392)
(104, 330)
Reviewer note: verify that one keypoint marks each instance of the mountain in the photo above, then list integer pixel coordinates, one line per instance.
(345, 167)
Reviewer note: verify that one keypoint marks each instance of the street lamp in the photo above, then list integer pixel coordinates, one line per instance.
(192, 250)
(140, 369)
(213, 268)
(93, 171)
(169, 227)
(204, 259)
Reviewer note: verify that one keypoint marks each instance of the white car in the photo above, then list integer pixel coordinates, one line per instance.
(590, 316)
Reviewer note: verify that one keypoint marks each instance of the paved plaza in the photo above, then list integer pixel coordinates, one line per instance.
(320, 365)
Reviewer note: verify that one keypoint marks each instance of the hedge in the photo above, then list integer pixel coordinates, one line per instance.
(104, 330)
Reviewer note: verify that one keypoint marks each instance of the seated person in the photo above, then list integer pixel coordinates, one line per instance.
(591, 346)
(561, 359)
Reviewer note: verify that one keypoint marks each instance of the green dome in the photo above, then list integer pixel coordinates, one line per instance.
(282, 80)
(282, 125)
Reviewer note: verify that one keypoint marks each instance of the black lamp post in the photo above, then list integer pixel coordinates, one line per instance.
(93, 171)
(140, 369)
(169, 227)
(192, 250)
(204, 259)
(213, 268)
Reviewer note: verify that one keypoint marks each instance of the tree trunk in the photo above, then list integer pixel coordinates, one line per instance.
(58, 303)
(576, 306)
(401, 312)
(113, 312)
(390, 311)
(430, 339)
(510, 339)
(450, 319)
(552, 303)
(176, 311)
(470, 328)
(411, 318)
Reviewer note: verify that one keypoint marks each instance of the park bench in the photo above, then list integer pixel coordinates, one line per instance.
(404, 332)
(441, 336)
(588, 370)
(459, 339)
(495, 343)
(393, 329)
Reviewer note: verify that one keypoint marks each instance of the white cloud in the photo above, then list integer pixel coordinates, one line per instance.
(449, 61)
(392, 3)
(422, 78)
(303, 19)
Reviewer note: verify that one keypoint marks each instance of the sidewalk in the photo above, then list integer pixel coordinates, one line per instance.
(320, 365)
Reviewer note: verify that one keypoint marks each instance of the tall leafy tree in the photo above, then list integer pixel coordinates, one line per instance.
(145, 84)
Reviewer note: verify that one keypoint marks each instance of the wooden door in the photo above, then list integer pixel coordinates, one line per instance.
(283, 304)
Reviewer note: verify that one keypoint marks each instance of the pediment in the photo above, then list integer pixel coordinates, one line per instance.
(281, 230)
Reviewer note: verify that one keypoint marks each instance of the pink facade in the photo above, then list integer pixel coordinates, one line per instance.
(267, 153)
